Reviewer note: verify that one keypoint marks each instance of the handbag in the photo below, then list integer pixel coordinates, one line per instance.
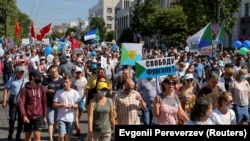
(13, 99)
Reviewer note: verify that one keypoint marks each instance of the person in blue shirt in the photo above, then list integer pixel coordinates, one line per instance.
(12, 88)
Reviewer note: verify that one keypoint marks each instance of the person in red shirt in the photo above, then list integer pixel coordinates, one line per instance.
(33, 105)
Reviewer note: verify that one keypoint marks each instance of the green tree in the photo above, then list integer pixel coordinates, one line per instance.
(196, 15)
(126, 36)
(70, 31)
(110, 36)
(201, 12)
(101, 25)
(172, 23)
(57, 35)
(142, 17)
(13, 15)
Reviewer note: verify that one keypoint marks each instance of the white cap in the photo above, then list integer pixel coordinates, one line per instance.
(78, 69)
(189, 76)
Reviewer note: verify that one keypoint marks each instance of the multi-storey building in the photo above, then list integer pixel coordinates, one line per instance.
(106, 10)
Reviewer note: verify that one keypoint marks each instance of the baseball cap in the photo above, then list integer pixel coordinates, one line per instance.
(20, 69)
(102, 86)
(78, 69)
(35, 73)
(189, 76)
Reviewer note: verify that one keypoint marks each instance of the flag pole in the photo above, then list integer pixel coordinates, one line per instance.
(156, 84)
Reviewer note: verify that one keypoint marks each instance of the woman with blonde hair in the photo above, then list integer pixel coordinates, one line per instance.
(166, 106)
(240, 90)
(224, 115)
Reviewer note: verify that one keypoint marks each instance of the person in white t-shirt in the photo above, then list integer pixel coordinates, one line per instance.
(66, 100)
(224, 115)
(79, 83)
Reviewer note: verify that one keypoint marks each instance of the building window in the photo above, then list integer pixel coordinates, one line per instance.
(109, 10)
(109, 18)
(126, 3)
(247, 9)
(109, 26)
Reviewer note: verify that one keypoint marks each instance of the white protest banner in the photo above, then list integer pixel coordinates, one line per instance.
(103, 62)
(26, 41)
(155, 67)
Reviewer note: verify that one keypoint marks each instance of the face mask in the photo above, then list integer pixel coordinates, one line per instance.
(243, 77)
(229, 106)
(37, 81)
(102, 93)
(185, 59)
(68, 59)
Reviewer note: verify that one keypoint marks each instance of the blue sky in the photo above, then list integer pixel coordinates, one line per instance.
(43, 12)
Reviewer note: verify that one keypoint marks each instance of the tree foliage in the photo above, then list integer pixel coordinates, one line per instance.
(13, 15)
(172, 24)
(101, 25)
(126, 36)
(110, 36)
(143, 17)
(57, 35)
(201, 12)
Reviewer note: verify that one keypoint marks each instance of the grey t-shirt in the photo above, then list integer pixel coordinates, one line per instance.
(67, 68)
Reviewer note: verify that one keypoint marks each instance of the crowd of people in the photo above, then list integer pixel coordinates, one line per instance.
(203, 91)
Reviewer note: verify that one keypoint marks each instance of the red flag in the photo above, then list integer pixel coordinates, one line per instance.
(32, 30)
(45, 29)
(17, 29)
(74, 44)
(39, 37)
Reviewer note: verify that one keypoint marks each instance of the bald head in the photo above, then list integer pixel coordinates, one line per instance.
(129, 84)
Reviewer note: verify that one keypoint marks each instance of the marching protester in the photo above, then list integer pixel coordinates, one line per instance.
(13, 89)
(53, 83)
(33, 106)
(127, 103)
(66, 100)
(101, 118)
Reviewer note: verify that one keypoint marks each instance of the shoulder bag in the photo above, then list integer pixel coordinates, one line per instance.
(13, 99)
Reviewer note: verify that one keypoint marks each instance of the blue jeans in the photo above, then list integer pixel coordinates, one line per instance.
(147, 116)
(241, 113)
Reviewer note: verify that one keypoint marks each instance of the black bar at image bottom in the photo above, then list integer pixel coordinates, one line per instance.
(162, 132)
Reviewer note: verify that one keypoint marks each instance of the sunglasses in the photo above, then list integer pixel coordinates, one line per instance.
(189, 80)
(231, 101)
(170, 82)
